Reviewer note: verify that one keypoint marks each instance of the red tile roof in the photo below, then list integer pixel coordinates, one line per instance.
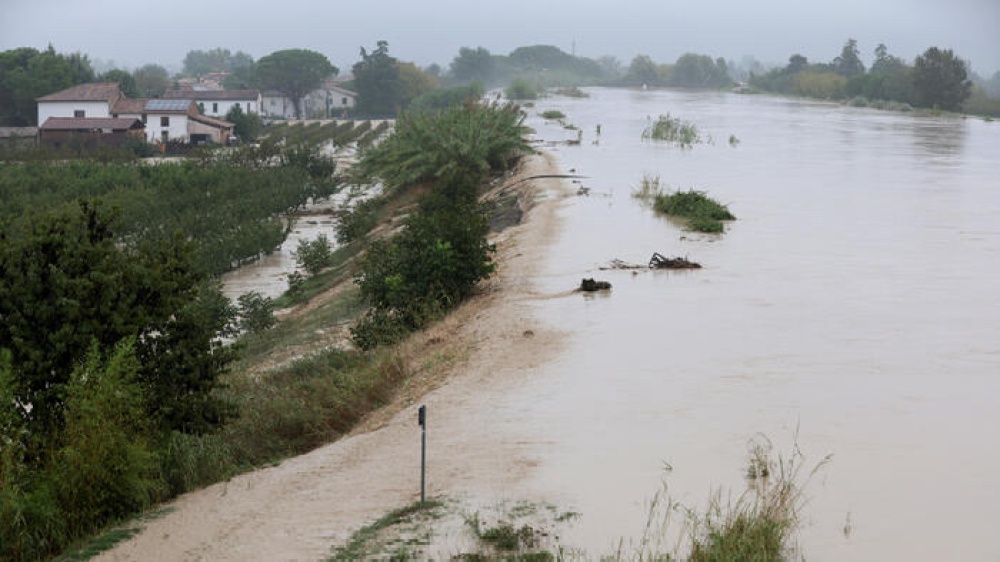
(108, 91)
(213, 95)
(128, 106)
(91, 123)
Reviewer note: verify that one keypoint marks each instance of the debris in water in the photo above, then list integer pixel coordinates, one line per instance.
(658, 261)
(590, 285)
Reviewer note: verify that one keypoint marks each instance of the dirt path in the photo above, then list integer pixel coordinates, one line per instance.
(306, 505)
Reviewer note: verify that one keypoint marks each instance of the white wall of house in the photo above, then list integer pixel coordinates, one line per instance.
(176, 128)
(219, 108)
(90, 109)
(278, 106)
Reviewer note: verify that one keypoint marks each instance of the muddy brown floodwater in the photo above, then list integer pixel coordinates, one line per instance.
(852, 309)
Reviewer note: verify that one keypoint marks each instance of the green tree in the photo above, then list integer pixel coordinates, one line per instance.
(940, 80)
(69, 279)
(27, 74)
(151, 80)
(415, 82)
(473, 64)
(247, 125)
(124, 79)
(699, 71)
(796, 64)
(295, 73)
(377, 80)
(849, 63)
(642, 71)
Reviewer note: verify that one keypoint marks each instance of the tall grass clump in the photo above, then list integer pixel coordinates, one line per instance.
(761, 523)
(758, 526)
(672, 129)
(703, 214)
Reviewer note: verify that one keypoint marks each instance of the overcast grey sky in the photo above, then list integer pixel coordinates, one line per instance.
(133, 33)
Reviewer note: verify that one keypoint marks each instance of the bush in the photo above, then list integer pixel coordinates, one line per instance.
(314, 255)
(703, 213)
(256, 312)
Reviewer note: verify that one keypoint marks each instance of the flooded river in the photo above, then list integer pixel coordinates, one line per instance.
(853, 309)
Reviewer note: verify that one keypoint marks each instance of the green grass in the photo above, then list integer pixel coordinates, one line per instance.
(553, 114)
(110, 538)
(703, 214)
(367, 542)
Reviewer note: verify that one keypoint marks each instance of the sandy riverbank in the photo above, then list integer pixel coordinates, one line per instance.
(305, 506)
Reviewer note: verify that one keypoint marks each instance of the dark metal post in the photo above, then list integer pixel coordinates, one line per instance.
(422, 420)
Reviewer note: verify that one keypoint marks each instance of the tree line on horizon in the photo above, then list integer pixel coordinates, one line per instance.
(387, 85)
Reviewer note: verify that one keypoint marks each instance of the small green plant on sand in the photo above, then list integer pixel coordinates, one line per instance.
(672, 129)
(553, 114)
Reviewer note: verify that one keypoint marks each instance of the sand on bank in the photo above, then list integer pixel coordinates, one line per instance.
(303, 507)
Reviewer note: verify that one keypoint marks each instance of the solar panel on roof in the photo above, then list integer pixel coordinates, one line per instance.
(167, 105)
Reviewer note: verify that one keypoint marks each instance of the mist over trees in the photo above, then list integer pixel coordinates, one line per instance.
(199, 62)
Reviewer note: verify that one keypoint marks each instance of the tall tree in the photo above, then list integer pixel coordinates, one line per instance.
(151, 80)
(849, 63)
(295, 73)
(376, 77)
(472, 64)
(941, 80)
(642, 71)
(415, 82)
(124, 79)
(27, 74)
(699, 71)
(796, 64)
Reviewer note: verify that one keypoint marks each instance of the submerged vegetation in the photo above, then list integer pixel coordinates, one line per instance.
(701, 212)
(673, 130)
(760, 524)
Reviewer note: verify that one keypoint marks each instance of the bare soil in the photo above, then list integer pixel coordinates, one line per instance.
(302, 508)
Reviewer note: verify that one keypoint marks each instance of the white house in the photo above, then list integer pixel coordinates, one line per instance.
(217, 103)
(327, 101)
(83, 101)
(164, 119)
(174, 119)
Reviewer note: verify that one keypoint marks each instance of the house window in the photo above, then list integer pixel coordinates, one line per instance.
(215, 107)
(248, 107)
(164, 136)
(164, 121)
(79, 113)
(143, 118)
(343, 101)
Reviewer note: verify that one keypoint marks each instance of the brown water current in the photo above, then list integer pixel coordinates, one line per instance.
(853, 308)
